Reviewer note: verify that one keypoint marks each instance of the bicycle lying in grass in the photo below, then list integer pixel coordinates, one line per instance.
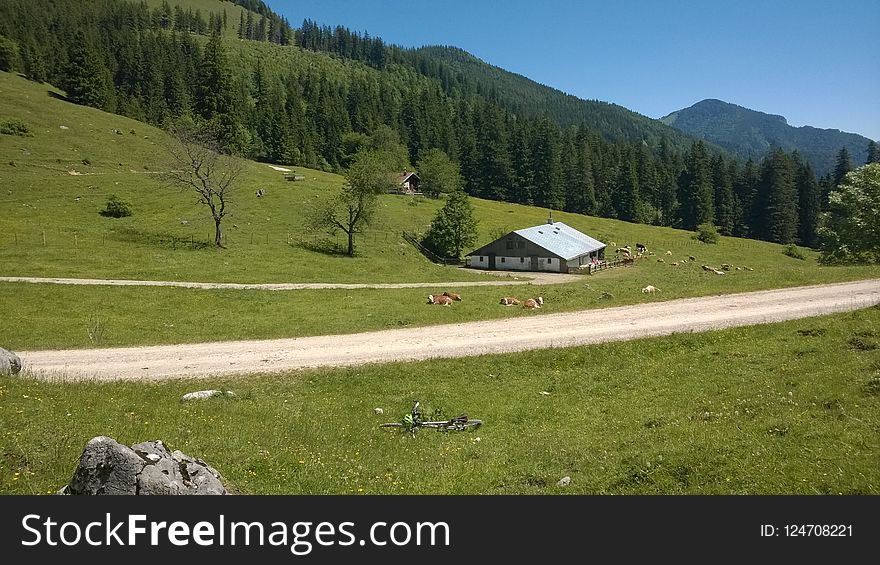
(415, 420)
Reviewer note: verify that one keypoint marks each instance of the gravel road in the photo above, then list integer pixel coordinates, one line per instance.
(501, 278)
(453, 340)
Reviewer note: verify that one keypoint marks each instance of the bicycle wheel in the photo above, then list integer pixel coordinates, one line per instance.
(469, 423)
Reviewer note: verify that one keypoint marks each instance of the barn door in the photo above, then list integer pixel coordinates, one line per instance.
(534, 262)
(491, 261)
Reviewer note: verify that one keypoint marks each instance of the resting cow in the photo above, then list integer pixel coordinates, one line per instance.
(439, 300)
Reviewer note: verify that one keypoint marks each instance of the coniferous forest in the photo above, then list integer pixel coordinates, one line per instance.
(313, 96)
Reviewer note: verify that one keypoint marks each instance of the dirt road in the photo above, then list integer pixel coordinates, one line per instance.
(454, 340)
(502, 278)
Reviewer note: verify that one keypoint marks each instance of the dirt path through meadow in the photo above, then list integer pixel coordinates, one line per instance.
(453, 340)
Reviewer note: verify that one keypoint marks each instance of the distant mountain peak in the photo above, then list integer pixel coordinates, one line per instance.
(750, 133)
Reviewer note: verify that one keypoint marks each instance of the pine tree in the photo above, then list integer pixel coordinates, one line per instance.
(249, 31)
(494, 156)
(242, 30)
(215, 97)
(667, 186)
(547, 166)
(695, 189)
(523, 187)
(777, 203)
(873, 153)
(746, 188)
(86, 79)
(844, 165)
(454, 228)
(809, 205)
(33, 62)
(8, 54)
(626, 197)
(725, 199)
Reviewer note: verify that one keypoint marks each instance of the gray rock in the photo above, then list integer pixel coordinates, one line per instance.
(564, 481)
(10, 363)
(203, 394)
(146, 468)
(106, 467)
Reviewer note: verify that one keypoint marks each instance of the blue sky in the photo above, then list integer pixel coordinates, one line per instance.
(815, 62)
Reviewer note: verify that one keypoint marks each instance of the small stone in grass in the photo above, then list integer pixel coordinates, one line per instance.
(378, 411)
(564, 481)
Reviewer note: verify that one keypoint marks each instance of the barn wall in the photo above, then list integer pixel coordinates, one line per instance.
(509, 263)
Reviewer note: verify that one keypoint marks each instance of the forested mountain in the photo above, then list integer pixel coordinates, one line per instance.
(751, 134)
(314, 96)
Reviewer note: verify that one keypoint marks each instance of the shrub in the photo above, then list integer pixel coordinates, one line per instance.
(707, 233)
(116, 208)
(14, 126)
(792, 251)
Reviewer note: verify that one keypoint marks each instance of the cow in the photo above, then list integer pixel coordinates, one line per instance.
(439, 300)
(452, 295)
(650, 289)
(533, 303)
(510, 301)
(669, 252)
(641, 248)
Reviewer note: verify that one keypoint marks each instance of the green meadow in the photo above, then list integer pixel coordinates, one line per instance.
(790, 408)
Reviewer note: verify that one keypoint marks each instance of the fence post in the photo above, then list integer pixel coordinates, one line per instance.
(75, 241)
(44, 238)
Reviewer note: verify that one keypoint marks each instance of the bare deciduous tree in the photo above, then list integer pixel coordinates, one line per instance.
(199, 165)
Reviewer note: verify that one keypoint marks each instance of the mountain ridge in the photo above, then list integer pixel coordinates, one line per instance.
(749, 133)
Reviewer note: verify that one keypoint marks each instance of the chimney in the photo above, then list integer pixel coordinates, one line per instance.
(550, 219)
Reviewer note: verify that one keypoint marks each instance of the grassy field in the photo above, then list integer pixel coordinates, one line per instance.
(791, 408)
(40, 316)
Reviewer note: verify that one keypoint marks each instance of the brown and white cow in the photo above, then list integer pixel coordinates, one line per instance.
(439, 300)
(452, 295)
(510, 301)
(532, 303)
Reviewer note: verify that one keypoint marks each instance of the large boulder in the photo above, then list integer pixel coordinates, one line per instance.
(108, 467)
(10, 363)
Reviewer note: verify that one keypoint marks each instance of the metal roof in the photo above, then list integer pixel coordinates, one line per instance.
(561, 239)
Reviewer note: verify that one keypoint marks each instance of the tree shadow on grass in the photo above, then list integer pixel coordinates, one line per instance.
(59, 96)
(324, 246)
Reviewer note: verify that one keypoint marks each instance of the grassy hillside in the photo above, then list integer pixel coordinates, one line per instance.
(58, 179)
(154, 243)
(790, 408)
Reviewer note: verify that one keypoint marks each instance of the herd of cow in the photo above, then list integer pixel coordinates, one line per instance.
(447, 298)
